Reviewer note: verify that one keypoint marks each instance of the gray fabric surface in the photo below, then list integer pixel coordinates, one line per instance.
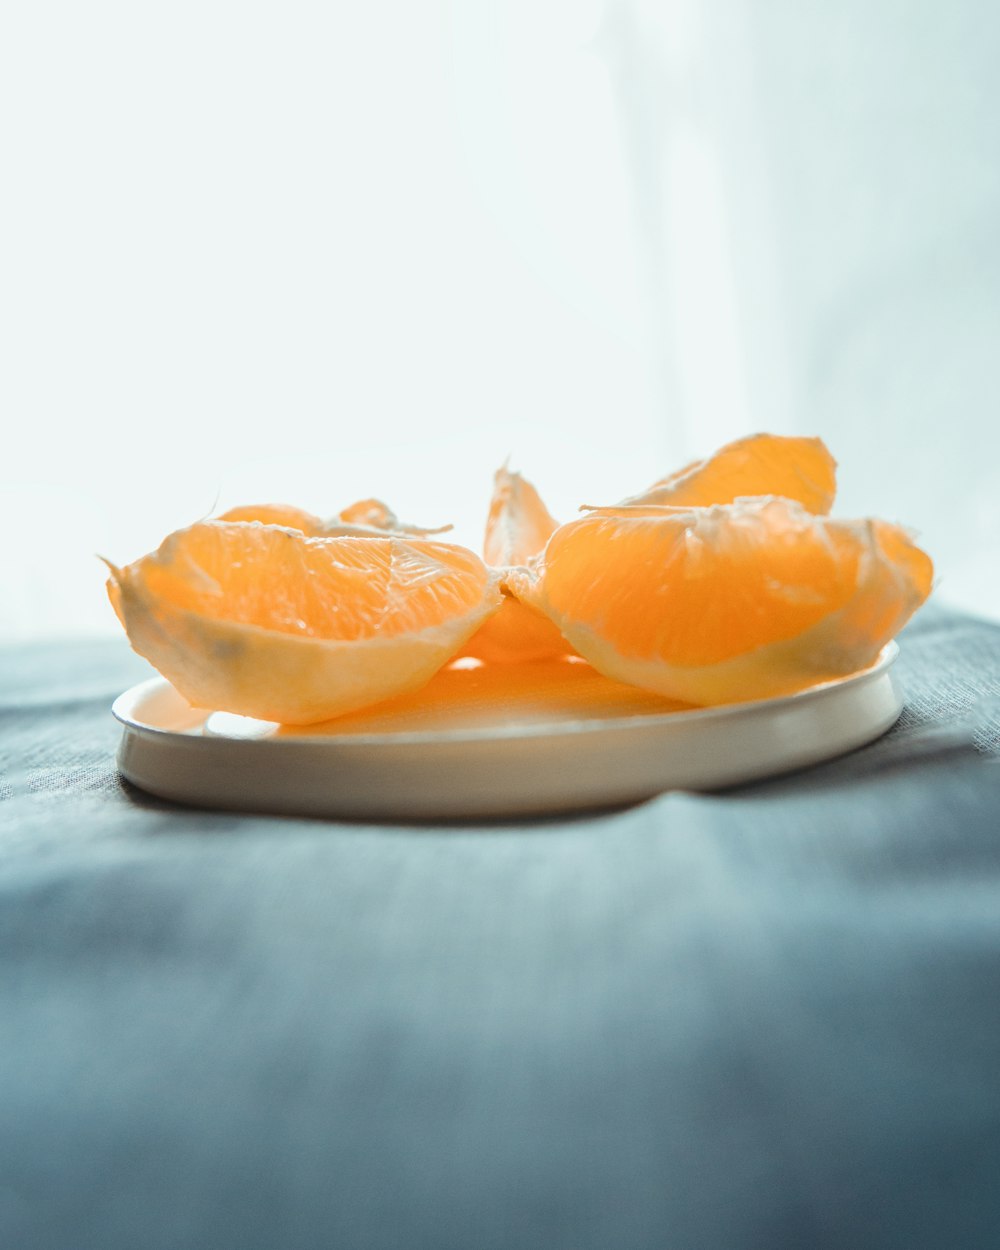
(764, 1018)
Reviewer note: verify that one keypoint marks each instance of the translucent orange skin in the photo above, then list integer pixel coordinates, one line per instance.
(708, 604)
(519, 524)
(367, 517)
(517, 529)
(516, 634)
(264, 621)
(763, 464)
(276, 514)
(724, 581)
(329, 588)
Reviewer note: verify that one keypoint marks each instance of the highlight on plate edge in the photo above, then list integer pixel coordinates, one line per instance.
(724, 582)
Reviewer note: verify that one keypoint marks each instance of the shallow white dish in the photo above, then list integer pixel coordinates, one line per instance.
(461, 751)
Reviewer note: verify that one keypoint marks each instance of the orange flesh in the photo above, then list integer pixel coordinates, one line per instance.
(371, 512)
(714, 563)
(332, 588)
(517, 529)
(472, 695)
(695, 588)
(764, 464)
(516, 634)
(366, 516)
(519, 524)
(276, 514)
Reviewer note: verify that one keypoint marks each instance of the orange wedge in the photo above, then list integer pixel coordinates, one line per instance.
(276, 514)
(763, 464)
(375, 515)
(264, 621)
(368, 517)
(730, 603)
(517, 529)
(519, 524)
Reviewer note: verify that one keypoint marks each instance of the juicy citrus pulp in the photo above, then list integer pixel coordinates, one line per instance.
(739, 601)
(267, 622)
(725, 581)
(366, 518)
(517, 528)
(763, 464)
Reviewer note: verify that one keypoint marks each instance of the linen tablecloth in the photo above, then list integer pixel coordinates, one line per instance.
(763, 1018)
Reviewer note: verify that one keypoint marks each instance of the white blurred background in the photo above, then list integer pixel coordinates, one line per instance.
(310, 252)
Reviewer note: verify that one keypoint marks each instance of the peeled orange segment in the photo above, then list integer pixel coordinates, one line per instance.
(367, 518)
(276, 514)
(737, 602)
(763, 464)
(373, 514)
(517, 529)
(517, 634)
(267, 622)
(519, 524)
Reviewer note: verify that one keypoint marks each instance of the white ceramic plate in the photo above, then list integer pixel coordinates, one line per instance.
(473, 746)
